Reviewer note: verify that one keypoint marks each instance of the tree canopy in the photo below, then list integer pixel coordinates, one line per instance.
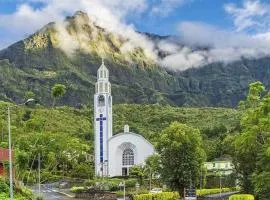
(181, 155)
(252, 145)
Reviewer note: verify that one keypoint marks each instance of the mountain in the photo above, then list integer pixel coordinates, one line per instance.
(70, 53)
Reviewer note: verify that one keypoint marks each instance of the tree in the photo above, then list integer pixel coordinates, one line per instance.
(252, 144)
(58, 91)
(153, 163)
(181, 155)
(138, 171)
(29, 95)
(83, 170)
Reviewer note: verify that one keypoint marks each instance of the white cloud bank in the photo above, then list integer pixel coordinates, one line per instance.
(250, 39)
(223, 46)
(253, 15)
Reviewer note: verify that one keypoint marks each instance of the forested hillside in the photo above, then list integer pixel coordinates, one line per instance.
(64, 135)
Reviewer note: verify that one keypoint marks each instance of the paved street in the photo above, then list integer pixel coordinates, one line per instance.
(50, 194)
(225, 194)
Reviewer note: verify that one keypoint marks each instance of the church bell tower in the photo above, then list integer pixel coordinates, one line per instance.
(102, 120)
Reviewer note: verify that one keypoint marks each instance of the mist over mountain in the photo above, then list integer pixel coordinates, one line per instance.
(144, 68)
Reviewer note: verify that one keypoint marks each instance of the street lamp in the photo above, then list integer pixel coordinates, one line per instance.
(123, 184)
(10, 148)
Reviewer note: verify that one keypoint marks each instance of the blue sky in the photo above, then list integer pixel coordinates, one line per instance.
(207, 11)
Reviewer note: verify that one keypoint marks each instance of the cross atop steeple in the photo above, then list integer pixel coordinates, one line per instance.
(102, 60)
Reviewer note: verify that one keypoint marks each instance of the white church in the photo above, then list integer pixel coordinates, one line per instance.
(114, 154)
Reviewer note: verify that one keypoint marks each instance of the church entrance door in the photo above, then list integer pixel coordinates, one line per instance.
(124, 171)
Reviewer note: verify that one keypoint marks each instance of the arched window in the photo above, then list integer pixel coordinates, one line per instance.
(101, 100)
(128, 157)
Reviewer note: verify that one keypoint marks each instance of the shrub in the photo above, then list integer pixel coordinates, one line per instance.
(130, 183)
(241, 197)
(26, 192)
(204, 192)
(77, 189)
(3, 186)
(158, 196)
(83, 170)
(39, 198)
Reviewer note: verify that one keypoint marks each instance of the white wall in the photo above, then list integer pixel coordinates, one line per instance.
(141, 147)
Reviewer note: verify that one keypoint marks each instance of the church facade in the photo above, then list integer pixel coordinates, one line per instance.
(114, 154)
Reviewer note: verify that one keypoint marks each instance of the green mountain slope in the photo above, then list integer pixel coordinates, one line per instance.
(64, 131)
(46, 57)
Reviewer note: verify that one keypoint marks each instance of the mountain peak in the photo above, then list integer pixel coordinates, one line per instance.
(79, 17)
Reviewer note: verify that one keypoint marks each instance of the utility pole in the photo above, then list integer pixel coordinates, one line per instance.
(150, 184)
(10, 148)
(124, 190)
(10, 158)
(220, 184)
(39, 173)
(201, 179)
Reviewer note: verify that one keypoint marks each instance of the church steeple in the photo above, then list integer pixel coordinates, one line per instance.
(103, 72)
(103, 120)
(103, 85)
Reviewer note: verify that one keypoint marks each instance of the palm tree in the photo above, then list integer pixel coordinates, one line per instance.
(58, 90)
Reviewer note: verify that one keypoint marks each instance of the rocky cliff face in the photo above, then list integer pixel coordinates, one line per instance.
(70, 53)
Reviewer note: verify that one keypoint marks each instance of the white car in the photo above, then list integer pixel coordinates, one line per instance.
(156, 190)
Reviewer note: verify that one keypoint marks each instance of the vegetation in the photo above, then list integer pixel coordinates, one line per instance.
(158, 196)
(20, 193)
(65, 145)
(38, 63)
(57, 135)
(58, 91)
(181, 156)
(241, 197)
(251, 146)
(204, 192)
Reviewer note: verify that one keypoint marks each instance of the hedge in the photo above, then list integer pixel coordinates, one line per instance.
(158, 196)
(204, 192)
(5, 196)
(77, 189)
(242, 197)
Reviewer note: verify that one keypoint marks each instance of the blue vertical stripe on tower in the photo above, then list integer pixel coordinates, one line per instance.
(101, 119)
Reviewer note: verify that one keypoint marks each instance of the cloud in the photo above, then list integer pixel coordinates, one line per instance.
(252, 15)
(27, 18)
(164, 7)
(214, 45)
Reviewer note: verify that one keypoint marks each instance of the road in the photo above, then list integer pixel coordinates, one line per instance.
(50, 194)
(225, 194)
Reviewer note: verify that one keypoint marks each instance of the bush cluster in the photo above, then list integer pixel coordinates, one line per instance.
(20, 193)
(204, 192)
(158, 196)
(241, 197)
(77, 189)
(3, 186)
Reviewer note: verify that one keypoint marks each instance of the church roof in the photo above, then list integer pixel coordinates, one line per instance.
(102, 66)
(129, 133)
